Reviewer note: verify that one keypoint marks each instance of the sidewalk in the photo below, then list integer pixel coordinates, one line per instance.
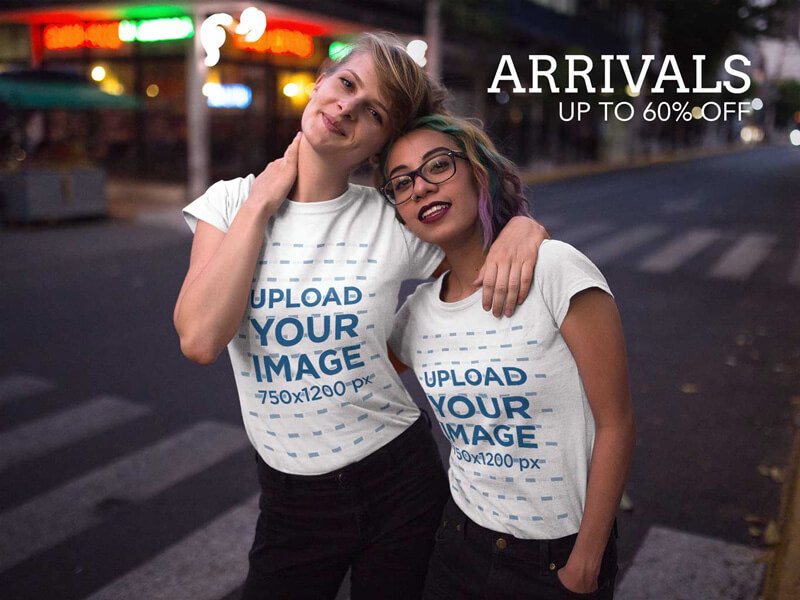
(783, 574)
(148, 202)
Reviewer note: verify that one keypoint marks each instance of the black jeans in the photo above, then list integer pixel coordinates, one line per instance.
(472, 562)
(377, 517)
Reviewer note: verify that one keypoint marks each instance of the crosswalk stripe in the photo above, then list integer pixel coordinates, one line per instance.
(608, 250)
(681, 205)
(794, 272)
(54, 431)
(208, 564)
(19, 386)
(664, 569)
(579, 233)
(54, 516)
(743, 258)
(679, 250)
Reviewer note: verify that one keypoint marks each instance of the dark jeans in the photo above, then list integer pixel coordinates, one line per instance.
(377, 517)
(472, 562)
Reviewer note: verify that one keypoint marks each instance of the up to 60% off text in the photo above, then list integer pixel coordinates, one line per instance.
(656, 111)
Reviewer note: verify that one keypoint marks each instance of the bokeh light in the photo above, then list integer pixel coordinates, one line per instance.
(630, 92)
(291, 89)
(416, 49)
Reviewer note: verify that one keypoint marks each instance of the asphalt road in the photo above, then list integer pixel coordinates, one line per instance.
(125, 472)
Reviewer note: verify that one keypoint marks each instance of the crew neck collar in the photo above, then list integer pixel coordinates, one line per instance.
(458, 304)
(351, 194)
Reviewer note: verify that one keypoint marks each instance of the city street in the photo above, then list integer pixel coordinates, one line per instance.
(125, 472)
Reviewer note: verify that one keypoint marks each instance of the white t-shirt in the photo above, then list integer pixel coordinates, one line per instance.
(316, 387)
(508, 396)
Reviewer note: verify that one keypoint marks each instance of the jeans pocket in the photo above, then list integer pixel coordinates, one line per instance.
(446, 531)
(452, 524)
(600, 592)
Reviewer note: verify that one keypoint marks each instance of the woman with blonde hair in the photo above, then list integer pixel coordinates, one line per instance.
(536, 407)
(303, 293)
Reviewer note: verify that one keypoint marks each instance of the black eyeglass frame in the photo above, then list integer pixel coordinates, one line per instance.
(416, 172)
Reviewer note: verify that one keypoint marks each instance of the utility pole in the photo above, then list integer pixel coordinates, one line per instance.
(197, 114)
(433, 35)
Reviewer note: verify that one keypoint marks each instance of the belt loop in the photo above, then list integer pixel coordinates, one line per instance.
(616, 533)
(462, 523)
(460, 519)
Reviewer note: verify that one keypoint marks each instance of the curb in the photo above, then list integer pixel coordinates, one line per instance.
(127, 199)
(783, 576)
(592, 168)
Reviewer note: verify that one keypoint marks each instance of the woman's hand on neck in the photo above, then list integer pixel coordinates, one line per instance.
(319, 177)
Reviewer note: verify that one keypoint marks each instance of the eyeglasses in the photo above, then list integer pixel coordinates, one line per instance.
(436, 169)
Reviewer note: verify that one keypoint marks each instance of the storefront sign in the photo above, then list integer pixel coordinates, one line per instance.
(228, 95)
(156, 30)
(279, 41)
(82, 35)
(251, 33)
(113, 34)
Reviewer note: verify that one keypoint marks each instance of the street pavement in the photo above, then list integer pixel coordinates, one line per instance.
(125, 472)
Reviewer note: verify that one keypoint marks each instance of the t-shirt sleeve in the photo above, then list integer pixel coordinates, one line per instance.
(400, 338)
(219, 204)
(423, 258)
(561, 272)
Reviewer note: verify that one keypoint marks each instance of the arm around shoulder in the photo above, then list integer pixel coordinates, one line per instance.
(507, 274)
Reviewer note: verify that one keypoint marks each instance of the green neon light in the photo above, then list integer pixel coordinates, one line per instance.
(127, 31)
(338, 50)
(156, 30)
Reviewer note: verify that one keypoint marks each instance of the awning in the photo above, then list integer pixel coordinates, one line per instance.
(75, 95)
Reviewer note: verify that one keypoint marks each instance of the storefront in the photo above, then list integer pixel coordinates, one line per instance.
(256, 65)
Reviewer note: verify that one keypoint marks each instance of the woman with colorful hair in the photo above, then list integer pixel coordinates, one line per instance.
(303, 293)
(536, 407)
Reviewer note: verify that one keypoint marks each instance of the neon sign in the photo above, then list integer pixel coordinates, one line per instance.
(338, 50)
(82, 35)
(252, 24)
(228, 95)
(112, 35)
(251, 33)
(279, 41)
(156, 30)
(212, 36)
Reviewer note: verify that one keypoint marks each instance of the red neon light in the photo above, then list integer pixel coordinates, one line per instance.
(82, 35)
(279, 41)
(301, 26)
(103, 35)
(61, 37)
